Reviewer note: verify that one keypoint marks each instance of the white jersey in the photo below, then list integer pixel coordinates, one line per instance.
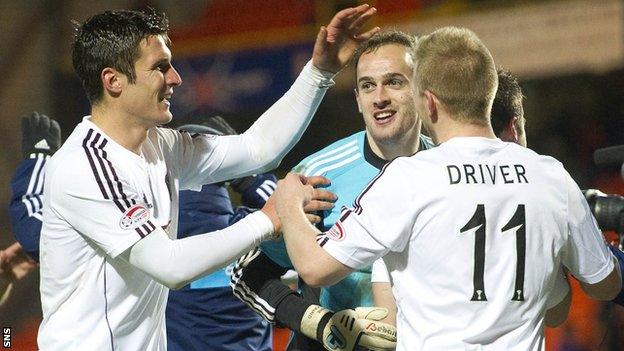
(100, 199)
(473, 233)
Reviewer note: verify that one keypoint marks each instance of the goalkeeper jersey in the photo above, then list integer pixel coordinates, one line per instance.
(349, 164)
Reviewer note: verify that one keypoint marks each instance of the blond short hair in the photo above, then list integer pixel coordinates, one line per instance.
(459, 70)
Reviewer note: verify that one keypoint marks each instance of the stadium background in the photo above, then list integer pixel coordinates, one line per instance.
(238, 56)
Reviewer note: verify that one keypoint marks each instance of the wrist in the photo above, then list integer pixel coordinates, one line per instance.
(262, 225)
(288, 208)
(271, 223)
(322, 76)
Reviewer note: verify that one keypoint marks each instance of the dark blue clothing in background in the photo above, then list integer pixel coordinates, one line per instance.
(26, 205)
(205, 315)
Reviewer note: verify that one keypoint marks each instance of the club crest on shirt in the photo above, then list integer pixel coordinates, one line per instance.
(135, 216)
(336, 232)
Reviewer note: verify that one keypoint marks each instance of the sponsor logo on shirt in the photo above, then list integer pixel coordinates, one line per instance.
(336, 232)
(134, 217)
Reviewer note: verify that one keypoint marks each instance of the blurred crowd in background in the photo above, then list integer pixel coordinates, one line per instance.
(239, 56)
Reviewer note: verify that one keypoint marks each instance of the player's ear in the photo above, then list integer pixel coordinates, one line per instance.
(112, 81)
(431, 104)
(357, 99)
(510, 133)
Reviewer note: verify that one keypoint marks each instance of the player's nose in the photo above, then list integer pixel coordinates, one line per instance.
(173, 77)
(381, 97)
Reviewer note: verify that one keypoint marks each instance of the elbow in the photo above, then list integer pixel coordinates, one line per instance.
(172, 279)
(264, 153)
(314, 277)
(268, 164)
(175, 284)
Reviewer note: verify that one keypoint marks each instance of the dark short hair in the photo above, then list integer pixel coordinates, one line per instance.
(111, 39)
(507, 102)
(381, 39)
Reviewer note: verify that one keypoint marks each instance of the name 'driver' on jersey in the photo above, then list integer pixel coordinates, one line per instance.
(486, 174)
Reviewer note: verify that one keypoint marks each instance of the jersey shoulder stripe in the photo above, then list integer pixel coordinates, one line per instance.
(106, 177)
(339, 154)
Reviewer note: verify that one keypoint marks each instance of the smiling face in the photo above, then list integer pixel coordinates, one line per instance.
(147, 99)
(384, 94)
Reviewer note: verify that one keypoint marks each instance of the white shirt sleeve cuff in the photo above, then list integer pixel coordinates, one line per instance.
(262, 224)
(319, 78)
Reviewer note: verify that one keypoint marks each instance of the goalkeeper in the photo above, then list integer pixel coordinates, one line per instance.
(383, 94)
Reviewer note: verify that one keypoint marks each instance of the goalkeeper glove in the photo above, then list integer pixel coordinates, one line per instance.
(40, 134)
(346, 329)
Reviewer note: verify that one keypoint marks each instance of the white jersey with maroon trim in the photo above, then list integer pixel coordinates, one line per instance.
(100, 200)
(473, 233)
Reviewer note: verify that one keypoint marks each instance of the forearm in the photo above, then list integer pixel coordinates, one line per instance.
(383, 297)
(281, 126)
(26, 203)
(255, 280)
(313, 264)
(174, 263)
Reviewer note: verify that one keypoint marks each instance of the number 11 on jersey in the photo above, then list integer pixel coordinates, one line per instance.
(478, 220)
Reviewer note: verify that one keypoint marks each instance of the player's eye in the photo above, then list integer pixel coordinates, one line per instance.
(395, 82)
(367, 86)
(163, 67)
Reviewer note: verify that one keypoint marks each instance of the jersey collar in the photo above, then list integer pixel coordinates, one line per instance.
(371, 157)
(379, 162)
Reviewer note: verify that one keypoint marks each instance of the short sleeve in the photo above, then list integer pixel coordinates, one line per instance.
(379, 272)
(96, 200)
(378, 222)
(585, 253)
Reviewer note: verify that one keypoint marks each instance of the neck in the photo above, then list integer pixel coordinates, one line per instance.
(121, 128)
(444, 131)
(407, 145)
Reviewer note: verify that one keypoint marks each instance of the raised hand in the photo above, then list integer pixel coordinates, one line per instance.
(40, 134)
(336, 43)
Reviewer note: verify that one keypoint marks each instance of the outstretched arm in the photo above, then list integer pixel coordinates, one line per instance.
(266, 142)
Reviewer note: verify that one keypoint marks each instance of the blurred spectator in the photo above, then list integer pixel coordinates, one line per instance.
(14, 265)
